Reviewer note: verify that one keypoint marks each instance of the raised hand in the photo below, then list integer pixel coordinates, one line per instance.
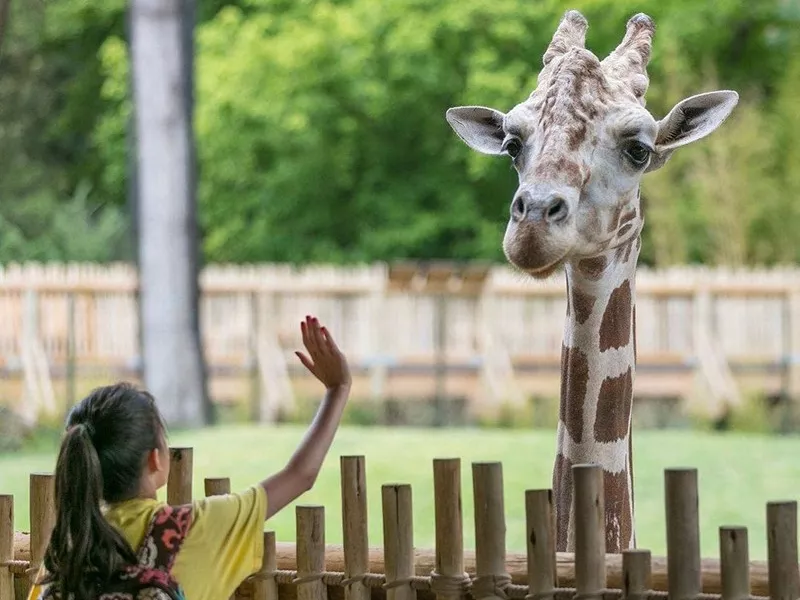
(326, 362)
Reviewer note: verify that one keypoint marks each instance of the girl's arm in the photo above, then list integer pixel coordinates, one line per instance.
(329, 365)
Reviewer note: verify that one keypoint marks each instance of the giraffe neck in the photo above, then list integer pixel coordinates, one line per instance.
(598, 362)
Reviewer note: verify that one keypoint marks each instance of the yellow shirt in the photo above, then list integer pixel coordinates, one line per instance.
(224, 546)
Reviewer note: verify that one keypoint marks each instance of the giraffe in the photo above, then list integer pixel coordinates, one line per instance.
(581, 143)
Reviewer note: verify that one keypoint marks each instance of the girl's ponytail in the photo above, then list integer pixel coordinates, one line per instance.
(84, 549)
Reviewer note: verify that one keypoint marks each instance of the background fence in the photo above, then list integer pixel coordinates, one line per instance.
(312, 570)
(482, 333)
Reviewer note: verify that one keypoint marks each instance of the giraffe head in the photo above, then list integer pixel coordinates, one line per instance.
(581, 143)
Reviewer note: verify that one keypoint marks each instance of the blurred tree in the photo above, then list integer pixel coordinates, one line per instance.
(173, 363)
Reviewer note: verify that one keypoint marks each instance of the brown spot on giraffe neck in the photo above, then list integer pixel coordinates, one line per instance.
(615, 327)
(614, 407)
(593, 268)
(629, 216)
(617, 511)
(574, 380)
(625, 229)
(621, 218)
(623, 252)
(562, 486)
(613, 223)
(583, 305)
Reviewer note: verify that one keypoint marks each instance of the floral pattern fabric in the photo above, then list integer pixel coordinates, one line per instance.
(151, 578)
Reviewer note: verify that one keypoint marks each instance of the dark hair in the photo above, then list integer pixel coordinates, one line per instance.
(109, 434)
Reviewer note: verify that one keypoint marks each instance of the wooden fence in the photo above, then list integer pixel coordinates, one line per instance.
(312, 570)
(475, 331)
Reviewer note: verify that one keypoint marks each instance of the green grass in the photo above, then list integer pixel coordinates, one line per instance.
(738, 474)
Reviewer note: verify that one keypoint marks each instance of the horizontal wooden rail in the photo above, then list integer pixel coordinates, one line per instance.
(379, 277)
(516, 566)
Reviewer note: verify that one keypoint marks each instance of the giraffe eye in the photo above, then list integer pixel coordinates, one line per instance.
(638, 153)
(512, 147)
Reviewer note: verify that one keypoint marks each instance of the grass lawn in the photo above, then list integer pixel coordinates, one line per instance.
(738, 474)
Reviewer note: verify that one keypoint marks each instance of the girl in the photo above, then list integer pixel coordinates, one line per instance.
(115, 452)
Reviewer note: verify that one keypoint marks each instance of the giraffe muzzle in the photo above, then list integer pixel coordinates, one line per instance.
(552, 209)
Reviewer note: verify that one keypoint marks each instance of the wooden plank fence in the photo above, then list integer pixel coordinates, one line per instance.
(482, 332)
(310, 569)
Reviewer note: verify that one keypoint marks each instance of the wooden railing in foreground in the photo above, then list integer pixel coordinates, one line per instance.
(312, 570)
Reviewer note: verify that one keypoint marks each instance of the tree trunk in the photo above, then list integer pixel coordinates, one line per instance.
(171, 348)
(189, 17)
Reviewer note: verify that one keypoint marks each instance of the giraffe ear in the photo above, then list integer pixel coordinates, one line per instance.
(690, 120)
(479, 127)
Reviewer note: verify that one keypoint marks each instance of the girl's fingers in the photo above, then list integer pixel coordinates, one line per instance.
(332, 347)
(319, 338)
(311, 342)
(305, 360)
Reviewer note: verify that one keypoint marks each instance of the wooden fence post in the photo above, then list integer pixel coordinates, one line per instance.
(42, 518)
(448, 580)
(354, 527)
(252, 359)
(684, 576)
(71, 351)
(310, 553)
(6, 547)
(541, 546)
(490, 532)
(398, 541)
(440, 304)
(636, 574)
(179, 484)
(794, 343)
(265, 586)
(590, 531)
(784, 580)
(379, 369)
(734, 563)
(217, 486)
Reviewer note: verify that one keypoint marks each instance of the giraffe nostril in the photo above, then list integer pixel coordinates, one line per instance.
(518, 208)
(556, 211)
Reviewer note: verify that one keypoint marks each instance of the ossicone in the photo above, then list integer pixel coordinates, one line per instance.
(628, 62)
(571, 33)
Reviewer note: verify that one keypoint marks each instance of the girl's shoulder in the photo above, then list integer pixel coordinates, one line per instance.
(243, 509)
(132, 518)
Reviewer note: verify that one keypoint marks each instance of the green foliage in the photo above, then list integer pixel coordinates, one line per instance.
(43, 229)
(752, 416)
(49, 101)
(321, 132)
